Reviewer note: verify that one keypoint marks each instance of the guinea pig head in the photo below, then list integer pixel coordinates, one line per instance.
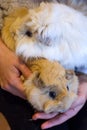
(51, 88)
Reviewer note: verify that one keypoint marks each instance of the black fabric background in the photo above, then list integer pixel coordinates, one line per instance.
(18, 113)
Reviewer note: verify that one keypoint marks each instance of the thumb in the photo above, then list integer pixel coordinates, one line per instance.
(24, 70)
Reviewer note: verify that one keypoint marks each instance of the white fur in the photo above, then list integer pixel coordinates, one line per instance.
(65, 31)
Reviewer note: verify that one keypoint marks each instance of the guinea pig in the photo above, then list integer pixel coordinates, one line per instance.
(50, 88)
(53, 30)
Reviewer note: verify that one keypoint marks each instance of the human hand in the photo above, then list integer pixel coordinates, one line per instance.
(54, 119)
(10, 69)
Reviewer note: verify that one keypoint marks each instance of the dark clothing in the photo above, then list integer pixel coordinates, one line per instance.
(18, 113)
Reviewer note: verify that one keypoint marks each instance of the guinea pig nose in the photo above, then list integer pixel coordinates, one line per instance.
(52, 94)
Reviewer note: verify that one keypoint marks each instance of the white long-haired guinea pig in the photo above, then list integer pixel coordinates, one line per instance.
(53, 31)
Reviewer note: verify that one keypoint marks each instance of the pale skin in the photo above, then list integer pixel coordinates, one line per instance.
(56, 119)
(10, 69)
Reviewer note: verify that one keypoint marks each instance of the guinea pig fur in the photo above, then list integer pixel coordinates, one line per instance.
(50, 88)
(53, 30)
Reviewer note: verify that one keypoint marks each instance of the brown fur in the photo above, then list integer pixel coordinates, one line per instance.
(9, 29)
(49, 77)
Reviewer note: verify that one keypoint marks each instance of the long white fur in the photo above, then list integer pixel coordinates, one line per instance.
(66, 30)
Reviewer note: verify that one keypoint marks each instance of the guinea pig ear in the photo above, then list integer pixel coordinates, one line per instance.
(38, 82)
(14, 27)
(69, 74)
(36, 77)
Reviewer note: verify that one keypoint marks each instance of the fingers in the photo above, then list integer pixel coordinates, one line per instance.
(24, 70)
(14, 91)
(79, 101)
(15, 87)
(59, 119)
(43, 116)
(18, 88)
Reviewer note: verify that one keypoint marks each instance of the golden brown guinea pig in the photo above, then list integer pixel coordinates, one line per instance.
(50, 88)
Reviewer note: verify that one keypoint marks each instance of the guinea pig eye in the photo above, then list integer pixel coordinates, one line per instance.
(28, 33)
(52, 94)
(67, 87)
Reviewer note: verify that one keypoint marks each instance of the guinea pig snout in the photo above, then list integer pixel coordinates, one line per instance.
(52, 106)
